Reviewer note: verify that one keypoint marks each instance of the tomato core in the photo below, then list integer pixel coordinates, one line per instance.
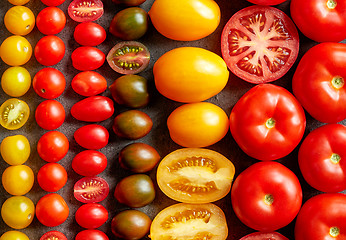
(268, 199)
(338, 82)
(331, 4)
(129, 62)
(270, 123)
(335, 158)
(334, 231)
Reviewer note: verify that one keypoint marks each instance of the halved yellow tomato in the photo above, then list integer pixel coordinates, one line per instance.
(14, 113)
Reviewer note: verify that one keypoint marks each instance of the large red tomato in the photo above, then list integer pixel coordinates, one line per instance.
(319, 82)
(267, 122)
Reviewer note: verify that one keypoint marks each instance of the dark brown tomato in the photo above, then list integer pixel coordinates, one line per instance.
(87, 58)
(129, 3)
(89, 34)
(85, 10)
(89, 83)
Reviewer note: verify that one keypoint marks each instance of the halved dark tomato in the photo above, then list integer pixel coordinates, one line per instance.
(56, 235)
(129, 57)
(195, 175)
(190, 221)
(85, 10)
(14, 113)
(91, 189)
(259, 44)
(264, 236)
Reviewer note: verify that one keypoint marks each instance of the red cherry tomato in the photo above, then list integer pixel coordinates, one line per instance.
(50, 114)
(52, 177)
(91, 189)
(50, 20)
(93, 109)
(264, 236)
(91, 215)
(267, 2)
(56, 235)
(89, 83)
(52, 146)
(85, 10)
(49, 83)
(52, 3)
(92, 136)
(87, 58)
(89, 163)
(91, 234)
(49, 50)
(89, 34)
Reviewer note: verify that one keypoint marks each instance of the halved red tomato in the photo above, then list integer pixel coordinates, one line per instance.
(91, 189)
(85, 10)
(56, 235)
(264, 236)
(259, 44)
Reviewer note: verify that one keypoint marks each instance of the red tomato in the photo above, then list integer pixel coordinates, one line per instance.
(91, 234)
(267, 122)
(87, 58)
(89, 34)
(322, 217)
(93, 109)
(256, 51)
(328, 18)
(50, 20)
(275, 199)
(321, 158)
(267, 2)
(89, 83)
(52, 3)
(89, 163)
(92, 136)
(85, 10)
(50, 114)
(52, 177)
(49, 50)
(49, 83)
(91, 215)
(319, 82)
(52, 146)
(264, 236)
(52, 210)
(56, 235)
(91, 189)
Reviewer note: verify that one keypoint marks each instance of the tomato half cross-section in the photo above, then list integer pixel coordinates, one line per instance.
(91, 189)
(259, 44)
(85, 10)
(264, 236)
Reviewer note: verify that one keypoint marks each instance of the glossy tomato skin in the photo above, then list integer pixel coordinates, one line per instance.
(89, 163)
(53, 146)
(16, 81)
(91, 189)
(276, 196)
(87, 58)
(15, 50)
(85, 11)
(50, 114)
(50, 20)
(49, 83)
(319, 82)
(19, 20)
(264, 236)
(267, 122)
(18, 180)
(52, 177)
(52, 3)
(53, 235)
(89, 83)
(13, 234)
(322, 217)
(91, 234)
(266, 2)
(92, 136)
(15, 149)
(89, 34)
(91, 215)
(49, 50)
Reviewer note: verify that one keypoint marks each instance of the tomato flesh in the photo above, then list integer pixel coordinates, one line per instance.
(14, 113)
(85, 10)
(264, 236)
(53, 235)
(91, 189)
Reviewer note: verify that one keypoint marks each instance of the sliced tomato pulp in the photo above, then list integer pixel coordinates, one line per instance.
(85, 10)
(259, 44)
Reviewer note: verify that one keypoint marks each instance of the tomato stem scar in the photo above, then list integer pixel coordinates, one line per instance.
(269, 199)
(335, 158)
(331, 4)
(270, 123)
(334, 231)
(338, 82)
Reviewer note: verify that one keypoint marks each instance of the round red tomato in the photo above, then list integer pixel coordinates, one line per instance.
(50, 114)
(52, 210)
(89, 34)
(52, 177)
(264, 236)
(49, 50)
(49, 83)
(52, 146)
(259, 44)
(91, 234)
(267, 122)
(85, 10)
(92, 136)
(50, 20)
(322, 217)
(89, 163)
(275, 199)
(91, 189)
(87, 58)
(89, 83)
(319, 82)
(321, 158)
(52, 3)
(91, 215)
(267, 2)
(56, 235)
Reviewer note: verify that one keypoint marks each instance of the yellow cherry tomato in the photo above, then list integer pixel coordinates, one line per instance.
(14, 235)
(19, 20)
(18, 2)
(15, 50)
(14, 113)
(185, 20)
(18, 180)
(15, 81)
(15, 150)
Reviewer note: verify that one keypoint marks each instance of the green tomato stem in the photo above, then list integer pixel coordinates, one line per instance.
(334, 231)
(338, 82)
(270, 123)
(335, 158)
(331, 4)
(268, 199)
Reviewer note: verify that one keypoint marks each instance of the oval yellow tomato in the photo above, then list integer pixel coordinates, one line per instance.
(197, 124)
(15, 81)
(185, 20)
(190, 74)
(15, 150)
(15, 50)
(19, 20)
(18, 180)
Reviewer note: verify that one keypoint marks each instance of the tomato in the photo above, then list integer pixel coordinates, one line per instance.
(129, 2)
(89, 83)
(264, 236)
(275, 199)
(15, 81)
(18, 2)
(49, 83)
(185, 20)
(85, 11)
(19, 20)
(129, 24)
(130, 224)
(14, 235)
(15, 150)
(195, 175)
(267, 2)
(267, 122)
(89, 163)
(128, 57)
(91, 189)
(18, 212)
(259, 44)
(92, 136)
(91, 234)
(52, 146)
(50, 114)
(87, 58)
(89, 34)
(93, 109)
(18, 180)
(14, 113)
(52, 210)
(50, 20)
(318, 82)
(135, 190)
(321, 217)
(52, 177)
(49, 50)
(91, 215)
(190, 74)
(138, 157)
(207, 220)
(197, 124)
(52, 3)
(132, 124)
(56, 235)
(15, 50)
